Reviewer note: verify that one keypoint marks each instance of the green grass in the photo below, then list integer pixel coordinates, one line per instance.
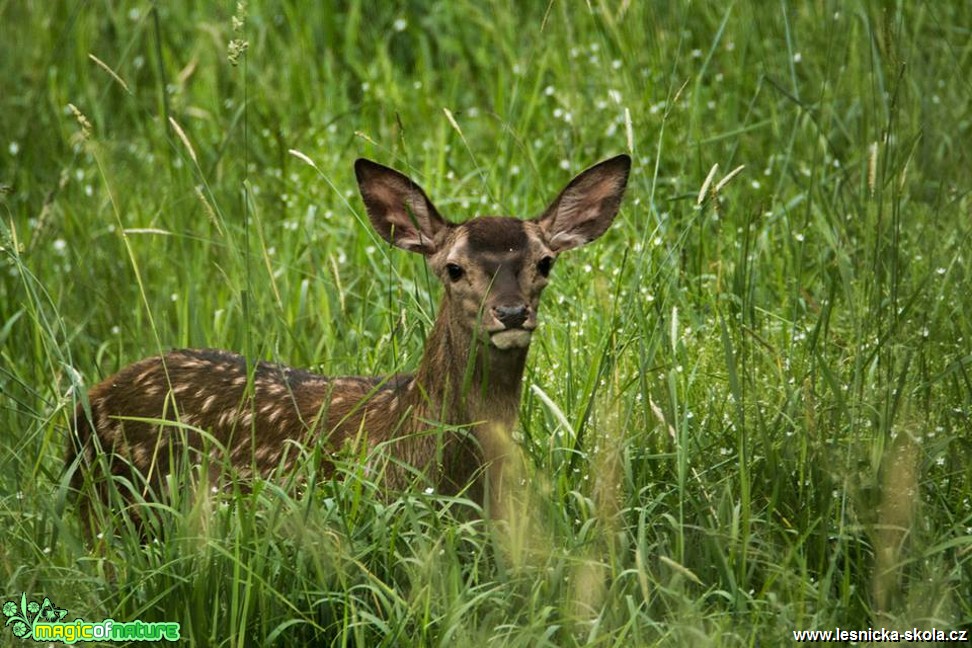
(744, 415)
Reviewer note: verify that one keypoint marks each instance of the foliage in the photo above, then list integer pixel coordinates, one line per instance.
(747, 411)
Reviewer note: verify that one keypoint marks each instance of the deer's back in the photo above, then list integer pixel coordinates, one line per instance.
(214, 400)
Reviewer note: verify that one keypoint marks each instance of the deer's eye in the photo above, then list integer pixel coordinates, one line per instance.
(544, 265)
(455, 271)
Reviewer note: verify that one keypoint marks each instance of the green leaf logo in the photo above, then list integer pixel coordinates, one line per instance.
(21, 617)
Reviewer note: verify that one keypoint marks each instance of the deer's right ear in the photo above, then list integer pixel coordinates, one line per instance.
(587, 206)
(398, 208)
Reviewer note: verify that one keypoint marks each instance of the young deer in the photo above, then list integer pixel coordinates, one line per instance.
(447, 423)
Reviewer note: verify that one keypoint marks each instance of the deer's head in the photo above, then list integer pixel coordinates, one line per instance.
(493, 268)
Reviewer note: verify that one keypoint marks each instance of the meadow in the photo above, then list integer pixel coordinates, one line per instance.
(746, 411)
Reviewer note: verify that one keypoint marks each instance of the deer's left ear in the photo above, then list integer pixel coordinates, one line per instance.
(398, 208)
(587, 206)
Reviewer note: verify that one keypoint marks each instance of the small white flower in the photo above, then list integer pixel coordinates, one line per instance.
(400, 24)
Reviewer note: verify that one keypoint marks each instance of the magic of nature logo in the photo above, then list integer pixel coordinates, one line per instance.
(45, 622)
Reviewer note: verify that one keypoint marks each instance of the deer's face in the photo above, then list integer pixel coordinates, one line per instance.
(494, 271)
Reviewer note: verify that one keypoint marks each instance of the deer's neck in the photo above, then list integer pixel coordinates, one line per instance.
(471, 394)
(465, 382)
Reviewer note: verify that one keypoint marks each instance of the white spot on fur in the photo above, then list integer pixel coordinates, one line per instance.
(139, 456)
(208, 403)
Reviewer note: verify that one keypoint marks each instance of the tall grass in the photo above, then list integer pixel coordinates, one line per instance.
(748, 409)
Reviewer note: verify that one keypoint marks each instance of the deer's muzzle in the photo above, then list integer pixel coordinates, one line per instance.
(516, 338)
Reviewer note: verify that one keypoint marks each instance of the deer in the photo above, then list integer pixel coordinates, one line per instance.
(448, 424)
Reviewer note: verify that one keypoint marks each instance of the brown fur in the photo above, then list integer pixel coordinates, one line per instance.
(442, 423)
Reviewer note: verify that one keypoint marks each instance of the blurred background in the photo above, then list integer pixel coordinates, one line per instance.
(747, 412)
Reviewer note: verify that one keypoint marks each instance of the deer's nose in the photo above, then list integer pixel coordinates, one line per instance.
(512, 316)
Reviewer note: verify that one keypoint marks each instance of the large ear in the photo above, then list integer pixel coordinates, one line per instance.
(587, 206)
(398, 208)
